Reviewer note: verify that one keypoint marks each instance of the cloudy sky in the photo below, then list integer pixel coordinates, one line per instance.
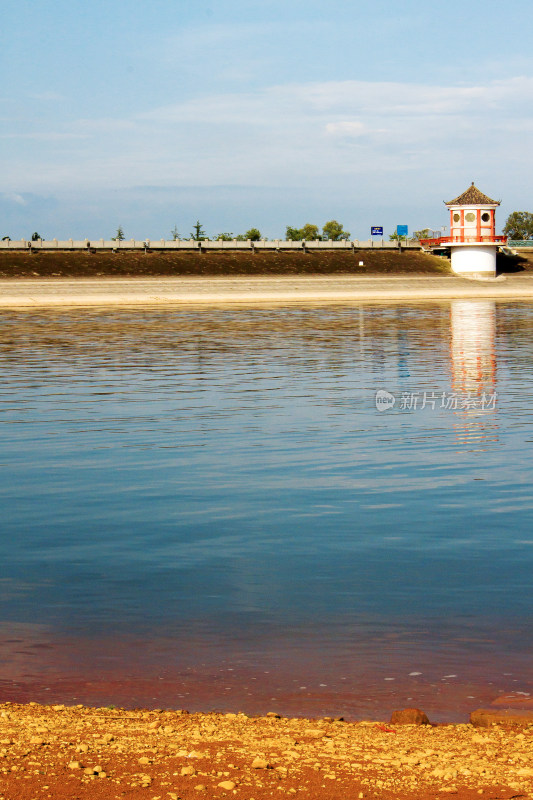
(261, 113)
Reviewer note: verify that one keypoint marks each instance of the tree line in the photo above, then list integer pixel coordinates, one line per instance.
(332, 231)
(519, 227)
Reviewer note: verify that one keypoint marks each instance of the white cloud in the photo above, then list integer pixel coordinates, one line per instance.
(346, 128)
(295, 134)
(364, 100)
(13, 197)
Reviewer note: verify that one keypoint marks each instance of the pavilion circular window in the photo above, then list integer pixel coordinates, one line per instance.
(470, 217)
(456, 217)
(485, 217)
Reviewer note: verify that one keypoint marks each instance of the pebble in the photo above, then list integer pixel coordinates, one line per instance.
(260, 763)
(228, 785)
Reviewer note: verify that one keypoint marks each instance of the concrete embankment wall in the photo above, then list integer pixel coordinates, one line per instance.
(192, 245)
(123, 263)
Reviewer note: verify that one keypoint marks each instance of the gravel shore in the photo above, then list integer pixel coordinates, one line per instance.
(77, 752)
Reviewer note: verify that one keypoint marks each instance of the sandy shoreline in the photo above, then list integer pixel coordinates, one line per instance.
(261, 290)
(66, 752)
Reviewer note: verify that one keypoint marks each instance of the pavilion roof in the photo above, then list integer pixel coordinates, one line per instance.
(472, 197)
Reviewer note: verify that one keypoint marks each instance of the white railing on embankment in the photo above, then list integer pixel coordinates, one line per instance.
(192, 244)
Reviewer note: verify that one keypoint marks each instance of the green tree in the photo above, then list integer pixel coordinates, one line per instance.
(394, 237)
(119, 237)
(519, 225)
(310, 232)
(293, 234)
(254, 234)
(175, 233)
(334, 231)
(224, 237)
(198, 233)
(36, 236)
(423, 234)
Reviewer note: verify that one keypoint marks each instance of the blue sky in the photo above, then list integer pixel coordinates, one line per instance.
(264, 114)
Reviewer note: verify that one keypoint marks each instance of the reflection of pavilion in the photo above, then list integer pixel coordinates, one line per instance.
(473, 361)
(473, 367)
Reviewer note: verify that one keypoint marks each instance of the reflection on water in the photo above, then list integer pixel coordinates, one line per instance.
(473, 324)
(196, 500)
(473, 362)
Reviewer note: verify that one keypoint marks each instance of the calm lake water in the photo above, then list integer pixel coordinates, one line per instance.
(205, 508)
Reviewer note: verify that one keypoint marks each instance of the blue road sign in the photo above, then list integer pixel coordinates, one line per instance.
(376, 230)
(402, 230)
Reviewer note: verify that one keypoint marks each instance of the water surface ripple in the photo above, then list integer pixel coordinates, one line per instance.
(204, 508)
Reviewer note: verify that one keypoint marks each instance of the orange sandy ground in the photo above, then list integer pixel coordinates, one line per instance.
(78, 752)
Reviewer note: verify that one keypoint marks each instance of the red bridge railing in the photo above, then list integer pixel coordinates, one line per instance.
(443, 241)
